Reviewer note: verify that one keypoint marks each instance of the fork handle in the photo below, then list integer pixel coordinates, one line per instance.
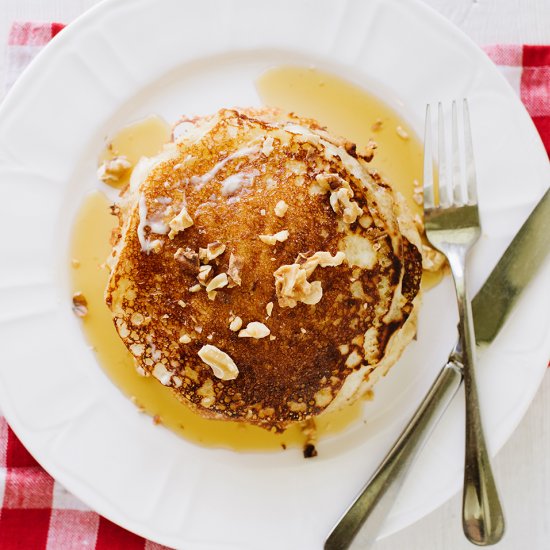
(482, 515)
(365, 517)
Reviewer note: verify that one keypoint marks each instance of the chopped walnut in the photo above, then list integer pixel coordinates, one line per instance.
(309, 450)
(280, 209)
(212, 294)
(212, 251)
(254, 330)
(402, 133)
(80, 304)
(221, 364)
(281, 236)
(377, 125)
(323, 259)
(233, 271)
(432, 260)
(219, 281)
(189, 260)
(340, 196)
(113, 170)
(236, 324)
(205, 273)
(342, 204)
(291, 284)
(180, 222)
(367, 152)
(195, 288)
(418, 193)
(269, 308)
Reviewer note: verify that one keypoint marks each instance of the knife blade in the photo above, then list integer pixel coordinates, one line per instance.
(491, 307)
(493, 303)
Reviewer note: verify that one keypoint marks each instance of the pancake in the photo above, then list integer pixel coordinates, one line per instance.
(261, 270)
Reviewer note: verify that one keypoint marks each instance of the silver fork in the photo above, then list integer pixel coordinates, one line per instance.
(451, 221)
(483, 520)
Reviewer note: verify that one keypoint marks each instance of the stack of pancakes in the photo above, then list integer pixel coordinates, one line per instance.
(261, 270)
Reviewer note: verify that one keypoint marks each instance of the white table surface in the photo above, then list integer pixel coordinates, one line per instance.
(522, 468)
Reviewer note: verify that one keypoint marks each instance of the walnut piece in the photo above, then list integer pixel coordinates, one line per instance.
(291, 284)
(80, 304)
(418, 193)
(377, 125)
(205, 273)
(432, 260)
(189, 260)
(233, 271)
(342, 204)
(180, 222)
(272, 240)
(367, 152)
(402, 133)
(323, 259)
(254, 330)
(219, 281)
(280, 209)
(212, 251)
(236, 324)
(221, 364)
(113, 170)
(340, 196)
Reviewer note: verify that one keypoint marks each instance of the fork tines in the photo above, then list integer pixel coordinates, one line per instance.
(444, 188)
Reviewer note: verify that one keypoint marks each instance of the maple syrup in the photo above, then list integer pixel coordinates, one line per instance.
(346, 110)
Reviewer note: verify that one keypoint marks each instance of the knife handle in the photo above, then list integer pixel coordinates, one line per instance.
(365, 517)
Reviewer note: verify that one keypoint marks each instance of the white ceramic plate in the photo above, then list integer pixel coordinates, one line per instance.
(128, 58)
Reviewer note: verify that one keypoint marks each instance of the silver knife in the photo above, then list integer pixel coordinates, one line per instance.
(491, 307)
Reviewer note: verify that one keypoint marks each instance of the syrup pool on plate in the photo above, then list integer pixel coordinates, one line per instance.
(346, 110)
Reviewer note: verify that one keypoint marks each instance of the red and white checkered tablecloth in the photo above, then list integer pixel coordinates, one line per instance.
(37, 512)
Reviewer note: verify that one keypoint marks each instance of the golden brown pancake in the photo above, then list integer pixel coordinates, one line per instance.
(261, 270)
